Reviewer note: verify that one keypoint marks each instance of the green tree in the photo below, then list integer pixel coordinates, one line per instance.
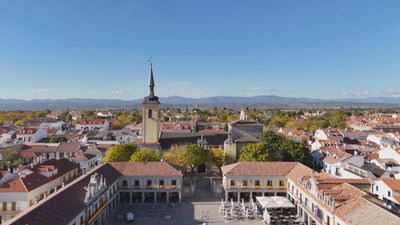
(68, 117)
(189, 156)
(12, 158)
(120, 153)
(146, 155)
(56, 139)
(254, 153)
(274, 147)
(294, 151)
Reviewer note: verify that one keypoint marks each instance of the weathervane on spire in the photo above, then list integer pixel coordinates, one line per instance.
(151, 60)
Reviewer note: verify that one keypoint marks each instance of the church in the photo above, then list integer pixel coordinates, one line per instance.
(241, 132)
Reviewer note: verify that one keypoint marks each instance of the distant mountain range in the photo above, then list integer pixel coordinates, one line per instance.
(264, 101)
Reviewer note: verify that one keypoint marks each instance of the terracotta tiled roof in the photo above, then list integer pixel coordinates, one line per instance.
(325, 180)
(392, 184)
(34, 179)
(66, 204)
(69, 147)
(29, 154)
(82, 157)
(360, 211)
(92, 122)
(145, 169)
(337, 157)
(258, 169)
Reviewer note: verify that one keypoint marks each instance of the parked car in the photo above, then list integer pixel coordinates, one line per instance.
(129, 217)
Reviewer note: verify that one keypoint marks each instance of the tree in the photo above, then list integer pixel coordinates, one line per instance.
(12, 158)
(218, 157)
(117, 124)
(226, 128)
(146, 155)
(254, 152)
(68, 118)
(274, 147)
(189, 156)
(176, 155)
(120, 153)
(56, 139)
(43, 113)
(294, 151)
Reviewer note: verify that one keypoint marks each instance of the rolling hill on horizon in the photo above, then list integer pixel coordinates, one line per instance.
(263, 101)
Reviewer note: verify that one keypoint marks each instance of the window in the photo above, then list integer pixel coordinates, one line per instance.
(376, 188)
(244, 183)
(13, 206)
(389, 193)
(161, 182)
(148, 183)
(281, 183)
(257, 183)
(137, 183)
(125, 183)
(328, 220)
(150, 114)
(232, 183)
(269, 183)
(4, 206)
(173, 183)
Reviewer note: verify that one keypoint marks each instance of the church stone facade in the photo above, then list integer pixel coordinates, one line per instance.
(151, 114)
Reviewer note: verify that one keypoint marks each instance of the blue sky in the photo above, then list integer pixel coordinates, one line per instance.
(99, 48)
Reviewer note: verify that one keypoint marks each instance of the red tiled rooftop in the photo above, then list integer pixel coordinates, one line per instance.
(145, 169)
(258, 168)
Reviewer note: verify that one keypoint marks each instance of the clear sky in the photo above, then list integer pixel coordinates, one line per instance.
(100, 48)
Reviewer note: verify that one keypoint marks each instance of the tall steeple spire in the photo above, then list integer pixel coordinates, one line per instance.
(151, 81)
(151, 98)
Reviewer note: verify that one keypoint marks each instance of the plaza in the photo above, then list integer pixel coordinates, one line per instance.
(186, 213)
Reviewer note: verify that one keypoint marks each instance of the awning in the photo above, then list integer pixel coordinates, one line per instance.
(274, 202)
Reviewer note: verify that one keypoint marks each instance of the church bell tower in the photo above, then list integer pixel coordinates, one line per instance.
(151, 114)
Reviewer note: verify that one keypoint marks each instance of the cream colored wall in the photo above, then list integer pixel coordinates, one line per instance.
(251, 182)
(151, 125)
(155, 181)
(230, 150)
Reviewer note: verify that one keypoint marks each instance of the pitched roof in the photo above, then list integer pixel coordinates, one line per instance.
(392, 184)
(69, 147)
(359, 211)
(258, 169)
(145, 169)
(92, 122)
(337, 157)
(65, 205)
(375, 170)
(35, 179)
(247, 138)
(168, 139)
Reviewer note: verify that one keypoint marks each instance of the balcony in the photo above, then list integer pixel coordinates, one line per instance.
(311, 213)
